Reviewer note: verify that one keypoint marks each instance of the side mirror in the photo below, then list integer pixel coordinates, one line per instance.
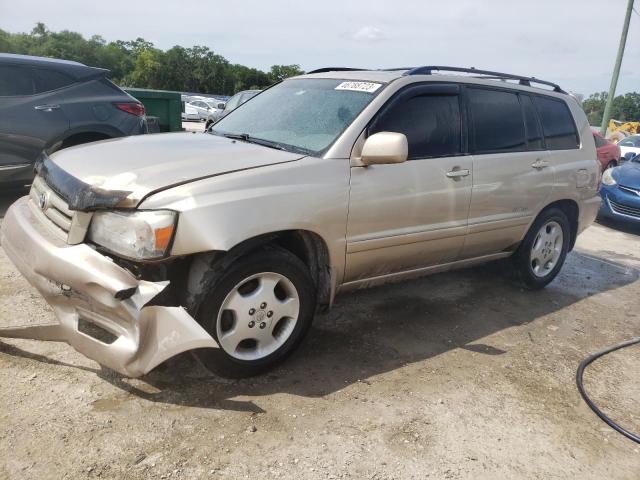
(221, 106)
(384, 148)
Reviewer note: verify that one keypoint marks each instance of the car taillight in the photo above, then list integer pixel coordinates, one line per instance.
(133, 108)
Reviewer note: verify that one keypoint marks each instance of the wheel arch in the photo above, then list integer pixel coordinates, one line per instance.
(571, 209)
(308, 246)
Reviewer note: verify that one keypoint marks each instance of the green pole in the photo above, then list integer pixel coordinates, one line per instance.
(616, 70)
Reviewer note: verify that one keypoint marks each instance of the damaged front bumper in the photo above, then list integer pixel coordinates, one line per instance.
(101, 308)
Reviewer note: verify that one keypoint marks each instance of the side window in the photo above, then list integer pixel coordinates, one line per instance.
(15, 81)
(496, 120)
(430, 122)
(534, 134)
(233, 102)
(599, 141)
(48, 80)
(557, 124)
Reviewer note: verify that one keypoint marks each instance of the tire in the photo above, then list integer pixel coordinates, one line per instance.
(250, 309)
(537, 264)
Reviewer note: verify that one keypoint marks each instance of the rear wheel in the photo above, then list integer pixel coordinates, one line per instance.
(543, 251)
(258, 310)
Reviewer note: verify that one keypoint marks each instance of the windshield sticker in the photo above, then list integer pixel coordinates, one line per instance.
(368, 87)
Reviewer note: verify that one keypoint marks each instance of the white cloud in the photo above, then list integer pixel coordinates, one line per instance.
(368, 33)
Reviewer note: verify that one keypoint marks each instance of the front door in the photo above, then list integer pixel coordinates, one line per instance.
(412, 215)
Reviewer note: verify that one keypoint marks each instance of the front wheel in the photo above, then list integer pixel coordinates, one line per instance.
(258, 310)
(543, 251)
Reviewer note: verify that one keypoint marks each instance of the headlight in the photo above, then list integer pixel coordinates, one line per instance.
(136, 234)
(607, 177)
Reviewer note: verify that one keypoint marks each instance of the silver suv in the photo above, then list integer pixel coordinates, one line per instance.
(228, 242)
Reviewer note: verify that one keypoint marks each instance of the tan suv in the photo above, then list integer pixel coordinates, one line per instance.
(228, 242)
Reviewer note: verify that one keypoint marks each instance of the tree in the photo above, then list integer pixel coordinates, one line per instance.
(280, 72)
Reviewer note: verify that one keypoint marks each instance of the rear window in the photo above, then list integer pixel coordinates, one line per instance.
(496, 119)
(557, 124)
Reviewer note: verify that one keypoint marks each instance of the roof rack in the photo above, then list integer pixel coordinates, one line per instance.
(336, 69)
(429, 69)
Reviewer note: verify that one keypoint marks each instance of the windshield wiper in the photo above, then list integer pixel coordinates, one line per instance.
(245, 137)
(236, 136)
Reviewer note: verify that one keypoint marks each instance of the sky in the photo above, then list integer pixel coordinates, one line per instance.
(570, 42)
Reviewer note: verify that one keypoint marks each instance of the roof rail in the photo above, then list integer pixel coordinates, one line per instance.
(336, 69)
(429, 69)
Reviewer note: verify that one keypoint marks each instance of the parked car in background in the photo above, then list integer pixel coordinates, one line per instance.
(233, 103)
(208, 107)
(190, 113)
(324, 183)
(48, 104)
(620, 191)
(629, 145)
(608, 152)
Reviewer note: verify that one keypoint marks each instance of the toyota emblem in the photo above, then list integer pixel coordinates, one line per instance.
(42, 201)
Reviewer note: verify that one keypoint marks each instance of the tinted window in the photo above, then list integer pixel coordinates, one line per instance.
(534, 134)
(600, 142)
(430, 122)
(497, 122)
(48, 80)
(15, 81)
(557, 124)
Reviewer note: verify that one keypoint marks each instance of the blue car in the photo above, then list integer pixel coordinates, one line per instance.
(621, 191)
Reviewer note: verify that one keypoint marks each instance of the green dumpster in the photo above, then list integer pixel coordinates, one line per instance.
(165, 105)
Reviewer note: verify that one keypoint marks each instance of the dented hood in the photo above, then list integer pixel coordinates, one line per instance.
(125, 170)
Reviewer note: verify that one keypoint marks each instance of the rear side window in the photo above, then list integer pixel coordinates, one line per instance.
(557, 124)
(431, 124)
(48, 80)
(496, 119)
(534, 133)
(15, 81)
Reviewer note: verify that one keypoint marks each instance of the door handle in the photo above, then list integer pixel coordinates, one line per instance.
(458, 173)
(539, 164)
(47, 108)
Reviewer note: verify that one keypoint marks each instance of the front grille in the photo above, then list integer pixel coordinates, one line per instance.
(69, 225)
(624, 209)
(630, 190)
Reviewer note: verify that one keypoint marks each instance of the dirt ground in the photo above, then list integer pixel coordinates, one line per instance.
(457, 376)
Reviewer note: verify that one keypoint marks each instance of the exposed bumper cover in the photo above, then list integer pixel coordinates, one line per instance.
(81, 284)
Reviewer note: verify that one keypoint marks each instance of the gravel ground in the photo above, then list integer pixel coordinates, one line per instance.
(459, 375)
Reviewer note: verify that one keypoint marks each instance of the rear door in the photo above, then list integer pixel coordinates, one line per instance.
(512, 175)
(412, 215)
(31, 119)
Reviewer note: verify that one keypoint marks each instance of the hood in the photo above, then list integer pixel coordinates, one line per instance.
(628, 174)
(137, 166)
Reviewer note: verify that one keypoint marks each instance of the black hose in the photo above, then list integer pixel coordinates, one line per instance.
(580, 374)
